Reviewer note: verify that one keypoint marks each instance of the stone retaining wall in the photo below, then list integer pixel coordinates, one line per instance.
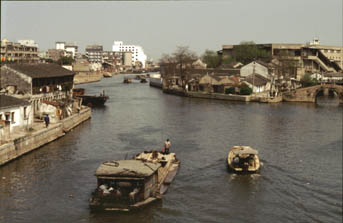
(34, 140)
(221, 96)
(74, 120)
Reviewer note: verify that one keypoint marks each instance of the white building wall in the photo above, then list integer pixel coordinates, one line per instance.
(60, 45)
(137, 51)
(249, 69)
(71, 50)
(19, 120)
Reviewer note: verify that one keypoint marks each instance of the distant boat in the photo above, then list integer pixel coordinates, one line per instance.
(243, 159)
(155, 80)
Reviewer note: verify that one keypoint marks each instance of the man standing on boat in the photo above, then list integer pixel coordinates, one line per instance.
(167, 145)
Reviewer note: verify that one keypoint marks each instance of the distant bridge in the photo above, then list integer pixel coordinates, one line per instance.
(309, 94)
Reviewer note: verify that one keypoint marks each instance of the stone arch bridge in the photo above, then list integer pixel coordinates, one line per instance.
(309, 94)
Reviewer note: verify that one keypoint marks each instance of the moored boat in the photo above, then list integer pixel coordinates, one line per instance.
(107, 74)
(78, 91)
(127, 80)
(243, 159)
(90, 100)
(93, 100)
(143, 80)
(130, 184)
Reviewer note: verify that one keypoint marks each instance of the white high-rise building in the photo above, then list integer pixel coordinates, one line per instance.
(137, 51)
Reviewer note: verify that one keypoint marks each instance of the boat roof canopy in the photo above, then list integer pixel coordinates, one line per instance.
(239, 150)
(127, 168)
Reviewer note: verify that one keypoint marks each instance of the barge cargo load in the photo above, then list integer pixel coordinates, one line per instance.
(124, 185)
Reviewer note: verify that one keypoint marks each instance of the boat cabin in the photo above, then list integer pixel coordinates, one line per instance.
(243, 159)
(123, 184)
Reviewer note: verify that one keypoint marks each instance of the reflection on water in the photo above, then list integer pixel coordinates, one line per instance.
(300, 145)
(330, 100)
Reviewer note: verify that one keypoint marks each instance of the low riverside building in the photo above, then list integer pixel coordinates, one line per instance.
(255, 67)
(216, 84)
(15, 114)
(257, 83)
(37, 82)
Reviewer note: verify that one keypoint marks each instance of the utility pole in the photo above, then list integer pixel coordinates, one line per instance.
(253, 77)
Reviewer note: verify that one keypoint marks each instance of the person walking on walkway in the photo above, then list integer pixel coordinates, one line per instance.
(47, 120)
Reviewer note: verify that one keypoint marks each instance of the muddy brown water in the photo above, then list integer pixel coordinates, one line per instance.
(300, 146)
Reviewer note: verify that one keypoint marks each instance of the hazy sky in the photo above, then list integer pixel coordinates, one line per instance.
(160, 26)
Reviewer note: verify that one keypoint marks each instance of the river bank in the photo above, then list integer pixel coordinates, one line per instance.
(25, 142)
(82, 78)
(228, 97)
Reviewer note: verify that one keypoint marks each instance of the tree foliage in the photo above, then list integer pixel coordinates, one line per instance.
(230, 90)
(307, 81)
(248, 51)
(65, 60)
(227, 60)
(245, 90)
(179, 61)
(211, 58)
(286, 67)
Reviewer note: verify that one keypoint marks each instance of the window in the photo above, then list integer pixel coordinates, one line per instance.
(12, 118)
(7, 116)
(25, 115)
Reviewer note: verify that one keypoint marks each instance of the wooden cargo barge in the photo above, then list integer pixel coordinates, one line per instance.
(125, 185)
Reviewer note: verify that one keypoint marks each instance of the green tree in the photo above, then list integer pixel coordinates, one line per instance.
(248, 51)
(245, 90)
(65, 60)
(227, 60)
(211, 58)
(230, 90)
(307, 81)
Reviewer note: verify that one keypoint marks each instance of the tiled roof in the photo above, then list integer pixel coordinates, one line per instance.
(9, 101)
(41, 70)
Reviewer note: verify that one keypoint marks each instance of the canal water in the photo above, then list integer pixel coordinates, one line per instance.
(299, 144)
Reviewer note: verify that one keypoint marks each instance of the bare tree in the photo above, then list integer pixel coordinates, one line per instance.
(178, 63)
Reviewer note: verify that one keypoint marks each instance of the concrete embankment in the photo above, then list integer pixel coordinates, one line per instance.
(82, 78)
(243, 98)
(30, 141)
